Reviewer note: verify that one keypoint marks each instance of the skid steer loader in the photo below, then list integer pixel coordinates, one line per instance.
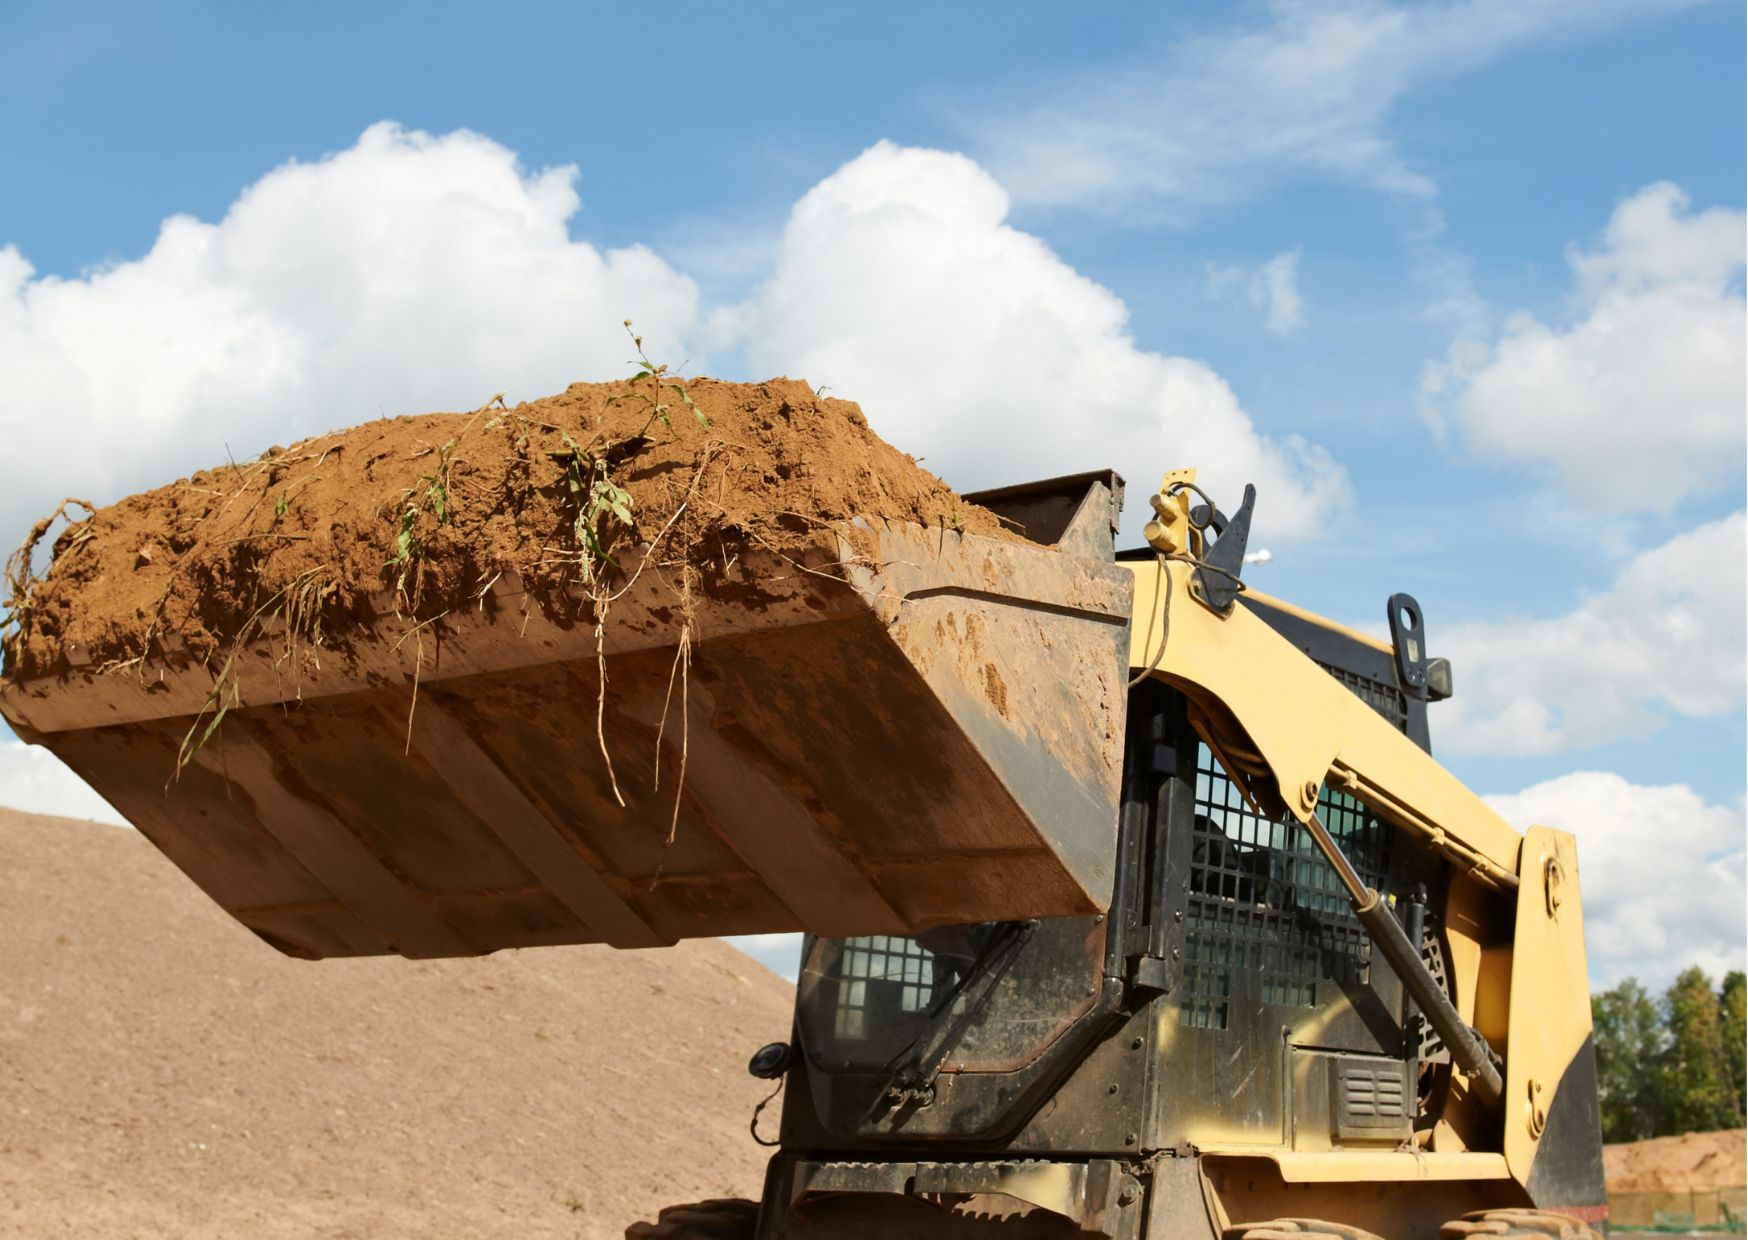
(1135, 905)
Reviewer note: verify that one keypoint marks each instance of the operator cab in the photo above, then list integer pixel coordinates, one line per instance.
(1229, 935)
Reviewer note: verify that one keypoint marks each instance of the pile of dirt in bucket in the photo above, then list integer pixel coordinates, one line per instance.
(421, 515)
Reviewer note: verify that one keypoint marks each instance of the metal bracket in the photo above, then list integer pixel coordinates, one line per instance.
(1149, 976)
(1216, 582)
(1408, 635)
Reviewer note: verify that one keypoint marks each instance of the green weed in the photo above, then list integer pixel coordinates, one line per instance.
(594, 497)
(19, 575)
(663, 381)
(409, 551)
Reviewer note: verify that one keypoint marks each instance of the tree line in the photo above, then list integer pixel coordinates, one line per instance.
(1671, 1065)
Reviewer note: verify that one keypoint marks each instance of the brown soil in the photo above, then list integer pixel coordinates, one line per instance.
(162, 1073)
(1694, 1162)
(312, 533)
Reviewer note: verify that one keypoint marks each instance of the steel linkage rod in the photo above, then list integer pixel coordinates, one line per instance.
(1469, 1050)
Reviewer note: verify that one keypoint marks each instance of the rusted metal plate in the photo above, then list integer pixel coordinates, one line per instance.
(936, 738)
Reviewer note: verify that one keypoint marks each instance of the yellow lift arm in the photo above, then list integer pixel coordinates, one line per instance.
(1282, 728)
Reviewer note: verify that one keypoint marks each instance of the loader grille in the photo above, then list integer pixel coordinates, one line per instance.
(1432, 953)
(1387, 700)
(1266, 913)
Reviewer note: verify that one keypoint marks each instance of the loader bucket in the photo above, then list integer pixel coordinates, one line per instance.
(866, 742)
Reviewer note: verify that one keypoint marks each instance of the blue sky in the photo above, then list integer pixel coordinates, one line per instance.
(1316, 210)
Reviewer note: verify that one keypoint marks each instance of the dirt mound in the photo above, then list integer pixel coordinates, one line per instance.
(422, 514)
(1693, 1162)
(164, 1073)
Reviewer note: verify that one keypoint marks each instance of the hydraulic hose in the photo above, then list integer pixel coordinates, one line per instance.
(1469, 1050)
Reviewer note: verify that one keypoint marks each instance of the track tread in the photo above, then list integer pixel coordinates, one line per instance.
(1516, 1225)
(720, 1218)
(1297, 1229)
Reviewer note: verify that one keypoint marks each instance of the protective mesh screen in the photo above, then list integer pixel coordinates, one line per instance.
(1264, 901)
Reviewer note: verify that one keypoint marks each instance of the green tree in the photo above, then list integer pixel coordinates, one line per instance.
(1735, 1022)
(1629, 1045)
(1697, 1092)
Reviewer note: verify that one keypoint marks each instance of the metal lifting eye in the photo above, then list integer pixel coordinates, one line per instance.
(1408, 636)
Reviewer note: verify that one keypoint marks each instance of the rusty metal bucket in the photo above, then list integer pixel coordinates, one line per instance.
(935, 739)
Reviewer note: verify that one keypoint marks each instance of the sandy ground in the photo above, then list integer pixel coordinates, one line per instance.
(1697, 1178)
(162, 1072)
(1695, 1162)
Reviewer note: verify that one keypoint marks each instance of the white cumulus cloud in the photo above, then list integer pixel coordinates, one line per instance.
(1306, 89)
(1637, 402)
(1660, 870)
(1667, 636)
(406, 273)
(899, 282)
(412, 272)
(1272, 287)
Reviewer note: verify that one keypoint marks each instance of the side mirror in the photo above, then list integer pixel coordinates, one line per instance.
(770, 1061)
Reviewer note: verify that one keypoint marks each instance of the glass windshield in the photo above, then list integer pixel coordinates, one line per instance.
(1006, 995)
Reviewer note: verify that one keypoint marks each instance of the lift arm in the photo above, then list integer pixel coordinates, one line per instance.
(1283, 727)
